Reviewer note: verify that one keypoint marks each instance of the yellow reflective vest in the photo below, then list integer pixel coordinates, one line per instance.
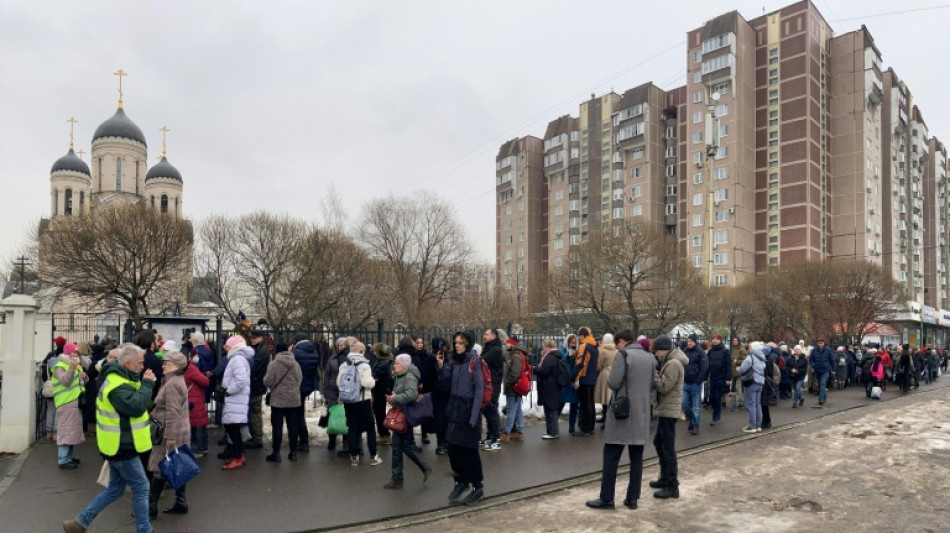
(108, 420)
(63, 394)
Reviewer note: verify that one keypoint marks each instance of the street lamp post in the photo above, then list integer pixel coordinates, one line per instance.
(712, 147)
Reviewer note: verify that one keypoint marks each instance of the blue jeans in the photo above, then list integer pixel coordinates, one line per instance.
(692, 402)
(797, 387)
(753, 402)
(122, 473)
(199, 439)
(514, 414)
(64, 454)
(822, 386)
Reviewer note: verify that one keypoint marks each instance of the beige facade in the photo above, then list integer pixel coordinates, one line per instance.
(786, 144)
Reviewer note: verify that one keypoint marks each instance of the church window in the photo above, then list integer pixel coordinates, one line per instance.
(68, 205)
(118, 173)
(82, 201)
(55, 202)
(164, 203)
(176, 206)
(153, 201)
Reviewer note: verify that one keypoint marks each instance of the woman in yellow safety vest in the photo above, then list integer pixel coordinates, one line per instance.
(68, 379)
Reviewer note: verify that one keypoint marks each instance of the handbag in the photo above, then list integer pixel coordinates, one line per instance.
(396, 421)
(157, 430)
(47, 390)
(418, 411)
(218, 394)
(104, 474)
(336, 422)
(620, 407)
(179, 467)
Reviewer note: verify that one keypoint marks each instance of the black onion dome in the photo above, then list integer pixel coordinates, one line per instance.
(71, 161)
(119, 126)
(163, 169)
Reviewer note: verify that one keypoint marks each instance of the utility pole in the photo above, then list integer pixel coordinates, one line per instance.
(712, 146)
(22, 262)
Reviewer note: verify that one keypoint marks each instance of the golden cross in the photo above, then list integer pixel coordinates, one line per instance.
(164, 131)
(80, 152)
(72, 122)
(120, 74)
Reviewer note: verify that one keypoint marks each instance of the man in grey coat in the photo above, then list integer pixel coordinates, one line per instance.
(631, 376)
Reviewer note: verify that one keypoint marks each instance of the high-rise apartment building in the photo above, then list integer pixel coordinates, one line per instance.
(786, 144)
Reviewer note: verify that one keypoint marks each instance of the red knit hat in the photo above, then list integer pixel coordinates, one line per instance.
(512, 341)
(60, 341)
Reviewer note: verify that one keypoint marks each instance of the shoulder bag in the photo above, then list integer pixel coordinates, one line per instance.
(621, 406)
(396, 421)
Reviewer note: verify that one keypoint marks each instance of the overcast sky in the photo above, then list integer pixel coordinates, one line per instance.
(271, 103)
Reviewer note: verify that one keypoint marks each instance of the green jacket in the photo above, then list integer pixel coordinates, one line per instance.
(128, 402)
(739, 354)
(406, 388)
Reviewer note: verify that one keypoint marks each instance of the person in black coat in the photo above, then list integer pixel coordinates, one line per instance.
(463, 415)
(308, 357)
(428, 380)
(145, 340)
(384, 373)
(549, 394)
(720, 375)
(494, 356)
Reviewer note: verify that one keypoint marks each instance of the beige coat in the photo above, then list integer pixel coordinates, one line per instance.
(283, 379)
(602, 392)
(171, 408)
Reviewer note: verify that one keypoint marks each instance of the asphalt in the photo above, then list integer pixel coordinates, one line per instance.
(322, 491)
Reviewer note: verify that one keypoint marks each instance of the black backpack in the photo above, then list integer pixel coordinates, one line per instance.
(562, 377)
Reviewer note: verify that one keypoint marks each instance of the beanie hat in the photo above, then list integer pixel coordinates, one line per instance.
(608, 338)
(404, 359)
(693, 337)
(169, 346)
(234, 342)
(662, 343)
(511, 341)
(60, 341)
(645, 344)
(70, 348)
(281, 347)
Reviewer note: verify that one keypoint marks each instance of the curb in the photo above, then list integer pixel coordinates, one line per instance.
(14, 471)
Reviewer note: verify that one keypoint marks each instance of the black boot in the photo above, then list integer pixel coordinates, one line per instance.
(155, 487)
(659, 484)
(672, 490)
(181, 504)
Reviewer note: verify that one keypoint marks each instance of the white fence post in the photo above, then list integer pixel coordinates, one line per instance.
(17, 421)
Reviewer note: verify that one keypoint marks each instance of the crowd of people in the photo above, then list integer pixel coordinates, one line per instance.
(125, 390)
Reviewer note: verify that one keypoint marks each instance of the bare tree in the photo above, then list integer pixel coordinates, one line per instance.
(420, 240)
(129, 256)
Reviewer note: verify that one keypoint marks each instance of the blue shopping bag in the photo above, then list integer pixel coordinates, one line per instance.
(179, 466)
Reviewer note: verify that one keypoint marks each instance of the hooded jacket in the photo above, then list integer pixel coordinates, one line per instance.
(259, 368)
(800, 364)
(363, 370)
(587, 354)
(308, 358)
(283, 379)
(493, 355)
(331, 391)
(464, 407)
(822, 360)
(513, 365)
(669, 384)
(756, 361)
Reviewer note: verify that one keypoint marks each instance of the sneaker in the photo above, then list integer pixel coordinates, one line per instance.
(376, 461)
(548, 437)
(474, 496)
(714, 422)
(484, 442)
(694, 430)
(748, 429)
(493, 447)
(456, 495)
(758, 430)
(355, 461)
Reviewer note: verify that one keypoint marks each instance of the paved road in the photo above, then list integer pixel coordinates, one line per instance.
(323, 491)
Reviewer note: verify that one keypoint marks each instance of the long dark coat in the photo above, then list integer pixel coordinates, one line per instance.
(549, 394)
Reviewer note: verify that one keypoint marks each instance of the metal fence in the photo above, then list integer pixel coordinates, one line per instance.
(85, 327)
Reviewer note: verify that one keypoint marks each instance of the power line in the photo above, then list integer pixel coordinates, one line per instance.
(891, 13)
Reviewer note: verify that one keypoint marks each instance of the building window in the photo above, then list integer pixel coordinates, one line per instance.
(721, 237)
(697, 219)
(697, 97)
(697, 117)
(68, 205)
(670, 209)
(698, 199)
(559, 194)
(164, 203)
(721, 194)
(720, 259)
(507, 209)
(636, 172)
(697, 240)
(670, 171)
(720, 280)
(722, 173)
(698, 178)
(636, 192)
(671, 190)
(722, 215)
(697, 261)
(636, 153)
(618, 213)
(118, 173)
(697, 137)
(636, 211)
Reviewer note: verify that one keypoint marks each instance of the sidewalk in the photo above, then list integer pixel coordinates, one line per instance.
(880, 469)
(323, 491)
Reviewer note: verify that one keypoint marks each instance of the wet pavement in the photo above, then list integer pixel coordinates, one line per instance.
(322, 491)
